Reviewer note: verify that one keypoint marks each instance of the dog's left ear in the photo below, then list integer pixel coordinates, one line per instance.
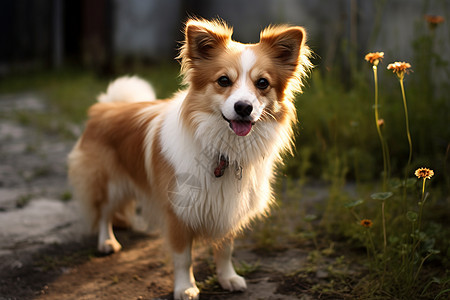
(204, 38)
(284, 44)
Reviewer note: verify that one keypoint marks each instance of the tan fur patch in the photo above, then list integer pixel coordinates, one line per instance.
(119, 128)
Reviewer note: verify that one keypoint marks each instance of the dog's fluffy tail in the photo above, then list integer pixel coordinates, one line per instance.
(128, 89)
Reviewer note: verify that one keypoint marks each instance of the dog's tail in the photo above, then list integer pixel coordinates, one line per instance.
(128, 89)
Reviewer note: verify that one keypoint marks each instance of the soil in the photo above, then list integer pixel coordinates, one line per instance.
(45, 253)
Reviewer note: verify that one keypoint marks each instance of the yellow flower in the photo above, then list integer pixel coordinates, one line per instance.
(424, 173)
(400, 68)
(374, 57)
(366, 223)
(433, 21)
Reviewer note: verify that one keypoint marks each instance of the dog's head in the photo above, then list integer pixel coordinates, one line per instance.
(242, 84)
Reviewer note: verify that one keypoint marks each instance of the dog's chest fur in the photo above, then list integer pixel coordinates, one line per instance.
(215, 206)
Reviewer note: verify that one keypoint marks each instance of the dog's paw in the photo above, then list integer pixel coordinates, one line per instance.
(191, 293)
(109, 246)
(233, 283)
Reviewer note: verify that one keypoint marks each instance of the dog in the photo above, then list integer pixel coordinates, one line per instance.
(203, 160)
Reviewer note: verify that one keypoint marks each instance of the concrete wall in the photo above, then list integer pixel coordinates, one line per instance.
(95, 33)
(146, 28)
(151, 28)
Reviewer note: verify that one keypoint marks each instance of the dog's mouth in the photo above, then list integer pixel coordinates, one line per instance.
(240, 127)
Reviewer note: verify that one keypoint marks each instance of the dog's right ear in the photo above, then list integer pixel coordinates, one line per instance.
(204, 38)
(284, 44)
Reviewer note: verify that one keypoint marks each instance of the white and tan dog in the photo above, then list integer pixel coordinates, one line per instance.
(202, 160)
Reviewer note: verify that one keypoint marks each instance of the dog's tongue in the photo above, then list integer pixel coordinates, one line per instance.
(241, 128)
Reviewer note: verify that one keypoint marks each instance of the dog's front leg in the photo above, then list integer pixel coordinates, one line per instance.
(180, 241)
(184, 283)
(226, 275)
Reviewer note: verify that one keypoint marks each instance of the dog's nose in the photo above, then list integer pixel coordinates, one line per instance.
(243, 109)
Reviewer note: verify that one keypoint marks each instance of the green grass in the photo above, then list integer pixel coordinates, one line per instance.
(69, 93)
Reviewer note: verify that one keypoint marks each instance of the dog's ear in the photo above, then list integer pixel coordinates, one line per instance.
(204, 38)
(284, 44)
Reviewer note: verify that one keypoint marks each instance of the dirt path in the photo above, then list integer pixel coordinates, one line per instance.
(143, 271)
(45, 254)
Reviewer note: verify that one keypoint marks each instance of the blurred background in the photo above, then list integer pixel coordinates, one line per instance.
(99, 34)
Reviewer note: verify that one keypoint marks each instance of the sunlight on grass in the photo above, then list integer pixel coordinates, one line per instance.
(70, 92)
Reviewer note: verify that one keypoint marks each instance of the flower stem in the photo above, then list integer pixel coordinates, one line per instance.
(420, 266)
(384, 227)
(416, 234)
(408, 134)
(422, 200)
(372, 245)
(384, 244)
(380, 135)
(407, 126)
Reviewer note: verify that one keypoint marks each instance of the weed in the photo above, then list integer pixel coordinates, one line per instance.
(400, 69)
(387, 216)
(375, 59)
(114, 279)
(243, 268)
(209, 284)
(23, 201)
(66, 196)
(396, 268)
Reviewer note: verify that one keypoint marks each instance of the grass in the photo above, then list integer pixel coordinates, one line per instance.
(69, 93)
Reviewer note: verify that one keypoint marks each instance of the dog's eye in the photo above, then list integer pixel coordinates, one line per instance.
(224, 81)
(262, 83)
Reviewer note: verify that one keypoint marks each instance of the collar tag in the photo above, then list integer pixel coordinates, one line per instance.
(221, 166)
(238, 172)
